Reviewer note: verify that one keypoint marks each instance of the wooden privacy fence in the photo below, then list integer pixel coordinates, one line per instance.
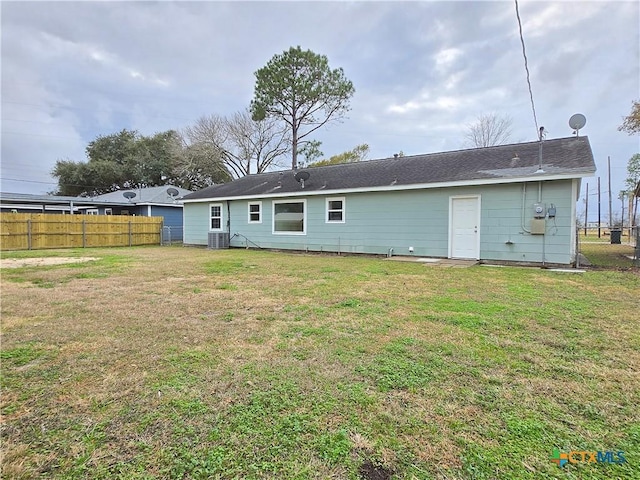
(33, 231)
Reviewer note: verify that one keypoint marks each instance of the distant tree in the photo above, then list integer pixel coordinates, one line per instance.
(357, 154)
(632, 181)
(631, 123)
(310, 152)
(120, 160)
(198, 166)
(298, 88)
(243, 145)
(488, 130)
(129, 160)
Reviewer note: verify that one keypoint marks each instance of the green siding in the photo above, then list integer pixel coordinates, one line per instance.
(196, 223)
(376, 222)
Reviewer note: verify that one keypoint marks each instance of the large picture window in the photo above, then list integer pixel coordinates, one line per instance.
(289, 217)
(216, 216)
(335, 210)
(255, 212)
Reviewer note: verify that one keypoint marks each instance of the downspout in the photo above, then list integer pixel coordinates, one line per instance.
(229, 221)
(524, 196)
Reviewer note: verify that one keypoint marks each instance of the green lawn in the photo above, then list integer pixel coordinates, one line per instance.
(175, 362)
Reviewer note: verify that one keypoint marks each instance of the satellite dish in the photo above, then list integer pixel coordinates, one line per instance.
(128, 195)
(172, 192)
(301, 177)
(577, 121)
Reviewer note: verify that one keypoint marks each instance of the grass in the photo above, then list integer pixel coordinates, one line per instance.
(188, 363)
(606, 255)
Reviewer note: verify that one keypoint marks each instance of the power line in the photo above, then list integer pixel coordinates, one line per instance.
(526, 67)
(29, 181)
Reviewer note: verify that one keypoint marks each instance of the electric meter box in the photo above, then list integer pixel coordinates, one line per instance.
(539, 210)
(538, 226)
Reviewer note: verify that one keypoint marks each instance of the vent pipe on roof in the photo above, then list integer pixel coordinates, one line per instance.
(540, 170)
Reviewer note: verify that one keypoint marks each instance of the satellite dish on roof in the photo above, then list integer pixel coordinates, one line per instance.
(301, 177)
(172, 192)
(128, 195)
(577, 121)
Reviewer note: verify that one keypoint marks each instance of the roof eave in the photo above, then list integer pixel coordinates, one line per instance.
(415, 186)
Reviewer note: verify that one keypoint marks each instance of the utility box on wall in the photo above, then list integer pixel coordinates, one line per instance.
(538, 226)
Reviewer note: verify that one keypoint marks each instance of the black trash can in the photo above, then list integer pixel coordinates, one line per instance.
(616, 236)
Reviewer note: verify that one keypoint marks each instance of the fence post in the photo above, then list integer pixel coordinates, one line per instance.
(130, 237)
(84, 233)
(29, 234)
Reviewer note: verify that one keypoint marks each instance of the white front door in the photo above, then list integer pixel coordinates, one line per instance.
(464, 227)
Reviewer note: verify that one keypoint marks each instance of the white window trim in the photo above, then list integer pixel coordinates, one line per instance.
(344, 210)
(93, 211)
(304, 217)
(108, 211)
(249, 212)
(221, 217)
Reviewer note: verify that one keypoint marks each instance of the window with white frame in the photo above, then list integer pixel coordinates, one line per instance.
(108, 211)
(255, 212)
(289, 217)
(335, 210)
(216, 216)
(92, 211)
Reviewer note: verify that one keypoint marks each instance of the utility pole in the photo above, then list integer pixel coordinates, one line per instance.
(622, 219)
(610, 209)
(586, 212)
(599, 205)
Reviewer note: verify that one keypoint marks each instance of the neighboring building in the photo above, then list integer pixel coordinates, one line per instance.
(160, 201)
(513, 203)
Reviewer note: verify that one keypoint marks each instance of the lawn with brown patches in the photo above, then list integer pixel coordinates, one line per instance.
(173, 362)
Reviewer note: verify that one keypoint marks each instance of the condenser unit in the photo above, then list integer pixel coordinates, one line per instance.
(218, 240)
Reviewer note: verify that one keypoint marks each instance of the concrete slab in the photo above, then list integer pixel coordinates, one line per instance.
(435, 262)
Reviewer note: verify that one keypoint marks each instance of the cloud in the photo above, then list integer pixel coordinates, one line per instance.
(422, 70)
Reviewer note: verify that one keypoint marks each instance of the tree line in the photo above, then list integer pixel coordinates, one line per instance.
(295, 94)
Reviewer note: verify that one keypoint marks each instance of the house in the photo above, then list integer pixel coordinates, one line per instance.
(510, 203)
(162, 201)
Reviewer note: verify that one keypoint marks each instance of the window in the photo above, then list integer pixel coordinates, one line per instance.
(255, 212)
(108, 211)
(289, 217)
(92, 211)
(216, 216)
(335, 210)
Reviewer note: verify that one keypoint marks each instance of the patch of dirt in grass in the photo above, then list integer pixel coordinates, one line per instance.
(372, 471)
(43, 261)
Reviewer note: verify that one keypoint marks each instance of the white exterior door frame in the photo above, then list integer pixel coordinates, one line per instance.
(464, 226)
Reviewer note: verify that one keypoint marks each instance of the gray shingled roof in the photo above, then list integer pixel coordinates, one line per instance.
(570, 157)
(143, 195)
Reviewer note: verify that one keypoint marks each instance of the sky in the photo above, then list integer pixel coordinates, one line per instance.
(423, 71)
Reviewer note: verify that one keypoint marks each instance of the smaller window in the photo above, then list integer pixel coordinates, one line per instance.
(255, 212)
(108, 211)
(216, 217)
(335, 210)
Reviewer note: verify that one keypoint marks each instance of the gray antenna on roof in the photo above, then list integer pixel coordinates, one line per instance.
(577, 121)
(301, 177)
(172, 192)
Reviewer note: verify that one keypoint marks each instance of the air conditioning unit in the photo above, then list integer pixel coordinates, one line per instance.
(218, 240)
